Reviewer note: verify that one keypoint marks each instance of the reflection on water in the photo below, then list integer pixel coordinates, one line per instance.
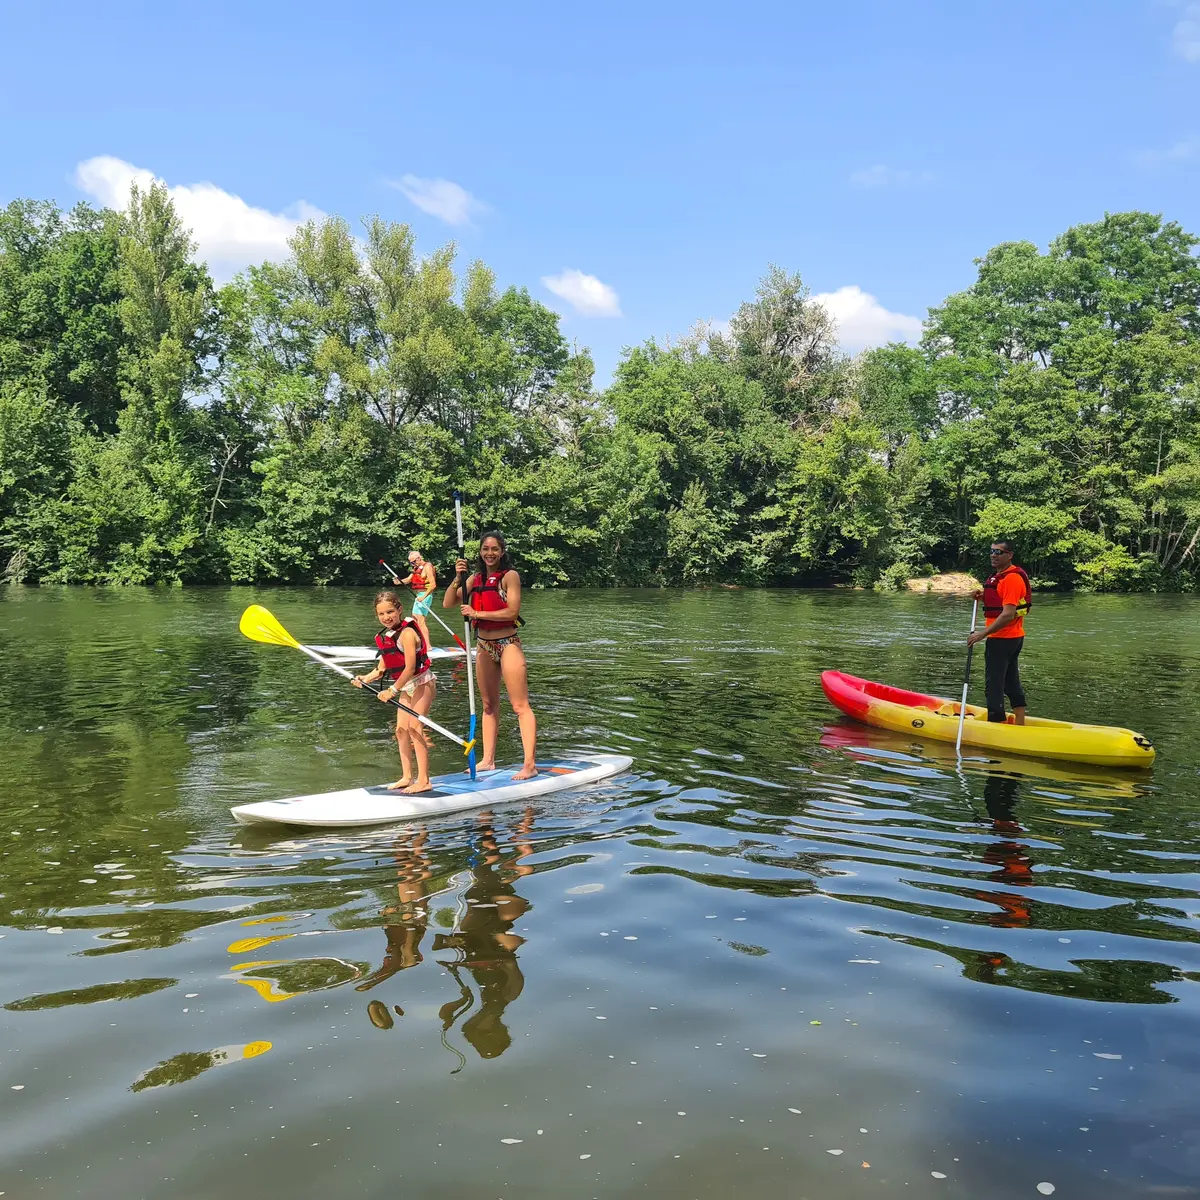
(475, 885)
(1010, 857)
(485, 945)
(1051, 794)
(788, 955)
(481, 944)
(182, 1067)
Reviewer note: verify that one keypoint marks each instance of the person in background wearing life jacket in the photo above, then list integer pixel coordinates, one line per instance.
(423, 582)
(404, 660)
(1006, 598)
(491, 601)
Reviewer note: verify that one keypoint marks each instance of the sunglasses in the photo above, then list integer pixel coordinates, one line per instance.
(994, 552)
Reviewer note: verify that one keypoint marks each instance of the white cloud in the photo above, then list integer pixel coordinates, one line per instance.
(441, 198)
(1185, 37)
(1179, 152)
(862, 321)
(880, 176)
(584, 293)
(229, 233)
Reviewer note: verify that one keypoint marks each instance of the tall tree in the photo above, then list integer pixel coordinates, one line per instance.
(60, 328)
(168, 313)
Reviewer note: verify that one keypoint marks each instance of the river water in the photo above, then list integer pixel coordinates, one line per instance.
(785, 956)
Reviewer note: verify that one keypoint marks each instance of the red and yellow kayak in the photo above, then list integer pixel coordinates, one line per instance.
(935, 717)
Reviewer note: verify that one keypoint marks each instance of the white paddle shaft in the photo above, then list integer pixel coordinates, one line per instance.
(412, 712)
(962, 708)
(462, 595)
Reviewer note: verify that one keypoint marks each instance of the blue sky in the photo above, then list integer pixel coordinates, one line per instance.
(650, 159)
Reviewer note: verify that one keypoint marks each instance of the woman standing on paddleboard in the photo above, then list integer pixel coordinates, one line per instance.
(404, 660)
(491, 601)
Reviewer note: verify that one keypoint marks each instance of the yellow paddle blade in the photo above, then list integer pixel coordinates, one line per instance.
(246, 945)
(266, 989)
(260, 625)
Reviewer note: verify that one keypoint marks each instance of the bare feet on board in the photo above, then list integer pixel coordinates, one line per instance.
(526, 772)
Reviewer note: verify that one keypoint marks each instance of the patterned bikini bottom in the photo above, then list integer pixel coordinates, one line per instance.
(494, 647)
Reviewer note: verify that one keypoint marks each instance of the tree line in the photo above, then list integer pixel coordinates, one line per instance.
(314, 415)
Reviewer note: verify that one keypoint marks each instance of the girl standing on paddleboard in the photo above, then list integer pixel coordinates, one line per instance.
(491, 601)
(404, 660)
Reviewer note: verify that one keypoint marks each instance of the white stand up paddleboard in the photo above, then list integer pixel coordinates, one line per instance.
(451, 793)
(362, 654)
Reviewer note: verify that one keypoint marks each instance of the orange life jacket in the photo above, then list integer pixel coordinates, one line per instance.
(993, 606)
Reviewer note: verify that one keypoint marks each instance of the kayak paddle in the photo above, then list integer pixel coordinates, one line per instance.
(395, 575)
(466, 634)
(962, 708)
(261, 625)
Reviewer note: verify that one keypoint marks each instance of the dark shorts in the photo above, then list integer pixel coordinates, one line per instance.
(1001, 675)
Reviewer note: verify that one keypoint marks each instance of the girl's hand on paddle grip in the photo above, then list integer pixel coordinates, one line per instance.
(468, 612)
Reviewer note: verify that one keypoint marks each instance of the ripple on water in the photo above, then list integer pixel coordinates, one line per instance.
(786, 952)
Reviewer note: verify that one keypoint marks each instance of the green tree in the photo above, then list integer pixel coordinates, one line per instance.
(787, 342)
(60, 328)
(168, 313)
(833, 504)
(1070, 382)
(35, 466)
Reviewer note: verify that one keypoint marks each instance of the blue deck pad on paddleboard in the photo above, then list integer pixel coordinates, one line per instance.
(486, 781)
(451, 793)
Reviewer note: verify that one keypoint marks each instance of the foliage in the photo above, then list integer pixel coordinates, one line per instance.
(895, 578)
(35, 463)
(60, 326)
(315, 414)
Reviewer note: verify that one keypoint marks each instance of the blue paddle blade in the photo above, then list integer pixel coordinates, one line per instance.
(471, 739)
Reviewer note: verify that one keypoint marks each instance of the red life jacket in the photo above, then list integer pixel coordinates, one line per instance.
(418, 582)
(387, 642)
(993, 606)
(488, 595)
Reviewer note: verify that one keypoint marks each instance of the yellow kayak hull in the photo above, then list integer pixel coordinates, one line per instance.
(934, 717)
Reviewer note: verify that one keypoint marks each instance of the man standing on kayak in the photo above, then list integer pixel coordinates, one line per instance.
(1006, 597)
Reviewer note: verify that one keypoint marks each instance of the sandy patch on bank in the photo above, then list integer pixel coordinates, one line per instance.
(953, 581)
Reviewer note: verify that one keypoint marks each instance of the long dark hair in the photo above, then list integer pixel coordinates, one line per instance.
(505, 563)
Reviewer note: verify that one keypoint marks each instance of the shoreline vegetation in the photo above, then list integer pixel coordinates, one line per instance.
(314, 415)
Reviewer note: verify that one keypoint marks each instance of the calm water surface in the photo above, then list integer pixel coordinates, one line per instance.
(786, 956)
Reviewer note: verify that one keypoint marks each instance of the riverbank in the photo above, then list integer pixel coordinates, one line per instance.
(955, 583)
